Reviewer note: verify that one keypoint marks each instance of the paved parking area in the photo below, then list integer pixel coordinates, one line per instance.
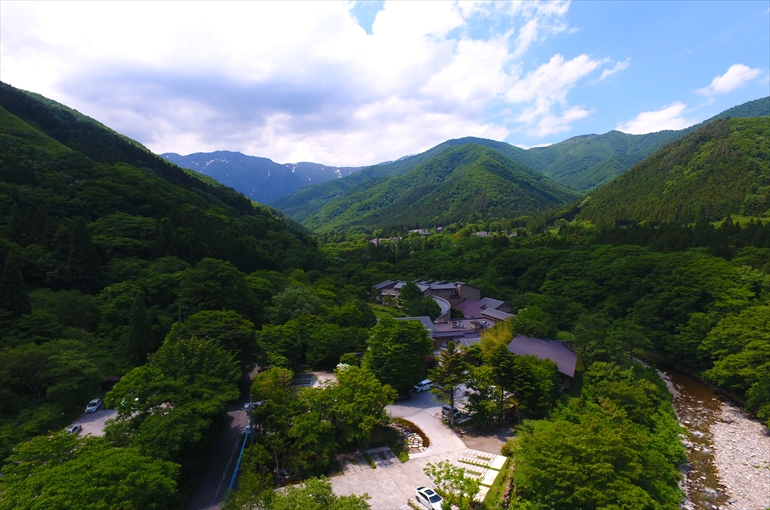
(392, 484)
(93, 423)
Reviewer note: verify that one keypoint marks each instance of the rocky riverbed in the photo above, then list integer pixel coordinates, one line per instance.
(728, 452)
(742, 458)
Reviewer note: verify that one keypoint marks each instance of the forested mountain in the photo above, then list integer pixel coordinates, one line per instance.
(311, 199)
(104, 247)
(581, 163)
(260, 179)
(460, 183)
(589, 161)
(721, 169)
(117, 262)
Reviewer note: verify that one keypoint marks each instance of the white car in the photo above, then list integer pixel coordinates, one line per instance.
(423, 385)
(74, 429)
(428, 498)
(94, 405)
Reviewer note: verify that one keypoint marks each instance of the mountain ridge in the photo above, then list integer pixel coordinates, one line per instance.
(460, 182)
(582, 163)
(261, 179)
(717, 170)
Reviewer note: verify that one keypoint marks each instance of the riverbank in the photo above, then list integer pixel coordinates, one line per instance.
(728, 451)
(742, 458)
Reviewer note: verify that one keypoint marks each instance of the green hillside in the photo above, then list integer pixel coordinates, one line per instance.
(103, 247)
(580, 163)
(461, 182)
(311, 199)
(589, 161)
(721, 169)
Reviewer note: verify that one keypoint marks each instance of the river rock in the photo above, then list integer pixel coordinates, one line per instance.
(745, 475)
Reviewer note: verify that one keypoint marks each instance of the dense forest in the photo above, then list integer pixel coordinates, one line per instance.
(117, 263)
(722, 168)
(456, 185)
(580, 164)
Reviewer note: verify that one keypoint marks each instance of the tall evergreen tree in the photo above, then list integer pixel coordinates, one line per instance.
(448, 375)
(13, 292)
(139, 337)
(15, 229)
(83, 269)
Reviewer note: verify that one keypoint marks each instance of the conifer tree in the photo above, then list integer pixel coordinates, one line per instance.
(15, 228)
(13, 292)
(139, 337)
(37, 225)
(448, 375)
(83, 269)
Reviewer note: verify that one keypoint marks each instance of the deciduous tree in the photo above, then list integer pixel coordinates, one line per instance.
(397, 351)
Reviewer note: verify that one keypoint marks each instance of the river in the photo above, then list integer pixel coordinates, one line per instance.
(698, 408)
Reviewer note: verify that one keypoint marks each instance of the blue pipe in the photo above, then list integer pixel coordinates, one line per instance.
(238, 464)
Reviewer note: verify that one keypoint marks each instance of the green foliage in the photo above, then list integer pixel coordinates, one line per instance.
(409, 292)
(273, 387)
(13, 293)
(87, 473)
(139, 336)
(299, 429)
(716, 171)
(450, 372)
(58, 371)
(234, 333)
(597, 340)
(314, 494)
(397, 351)
(740, 346)
(452, 484)
(594, 457)
(165, 406)
(438, 192)
(293, 303)
(533, 322)
(215, 285)
(486, 401)
(424, 307)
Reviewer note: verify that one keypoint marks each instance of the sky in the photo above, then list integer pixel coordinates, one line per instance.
(358, 83)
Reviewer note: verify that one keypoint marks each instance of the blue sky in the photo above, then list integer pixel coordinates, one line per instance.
(355, 83)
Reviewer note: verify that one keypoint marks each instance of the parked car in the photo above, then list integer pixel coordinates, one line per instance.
(74, 429)
(94, 405)
(423, 385)
(428, 498)
(459, 416)
(249, 406)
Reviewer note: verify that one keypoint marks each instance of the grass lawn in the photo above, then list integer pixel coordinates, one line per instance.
(381, 311)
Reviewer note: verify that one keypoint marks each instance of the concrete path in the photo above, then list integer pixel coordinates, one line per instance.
(221, 462)
(93, 423)
(392, 484)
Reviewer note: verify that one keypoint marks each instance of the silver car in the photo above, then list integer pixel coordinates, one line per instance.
(74, 429)
(94, 405)
(428, 498)
(423, 385)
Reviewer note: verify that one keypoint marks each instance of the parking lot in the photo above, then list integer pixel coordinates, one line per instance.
(93, 423)
(392, 483)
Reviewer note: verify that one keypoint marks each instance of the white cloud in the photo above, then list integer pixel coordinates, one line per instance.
(295, 81)
(546, 87)
(553, 124)
(736, 76)
(669, 117)
(620, 66)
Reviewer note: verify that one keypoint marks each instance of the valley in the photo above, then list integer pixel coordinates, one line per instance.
(120, 266)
